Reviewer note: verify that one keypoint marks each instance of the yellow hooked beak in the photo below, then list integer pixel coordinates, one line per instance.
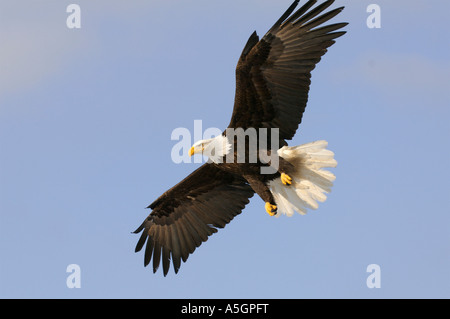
(195, 150)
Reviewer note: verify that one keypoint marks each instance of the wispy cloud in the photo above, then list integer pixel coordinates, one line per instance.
(35, 44)
(30, 55)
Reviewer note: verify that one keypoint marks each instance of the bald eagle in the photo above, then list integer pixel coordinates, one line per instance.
(272, 83)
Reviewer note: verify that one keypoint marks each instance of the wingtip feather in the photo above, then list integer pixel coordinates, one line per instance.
(285, 15)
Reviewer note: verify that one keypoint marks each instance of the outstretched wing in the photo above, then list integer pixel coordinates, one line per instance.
(187, 214)
(273, 74)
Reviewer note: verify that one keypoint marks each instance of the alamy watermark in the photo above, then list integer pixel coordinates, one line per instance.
(235, 146)
(374, 279)
(374, 19)
(73, 20)
(74, 279)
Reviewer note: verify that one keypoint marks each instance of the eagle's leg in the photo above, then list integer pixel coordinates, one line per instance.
(264, 192)
(286, 179)
(284, 167)
(271, 209)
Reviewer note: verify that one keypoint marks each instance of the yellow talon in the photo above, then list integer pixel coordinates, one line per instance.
(286, 179)
(271, 209)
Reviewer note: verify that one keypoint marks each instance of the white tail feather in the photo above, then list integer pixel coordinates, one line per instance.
(309, 181)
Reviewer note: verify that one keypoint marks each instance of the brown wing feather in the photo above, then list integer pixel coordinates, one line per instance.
(273, 75)
(187, 214)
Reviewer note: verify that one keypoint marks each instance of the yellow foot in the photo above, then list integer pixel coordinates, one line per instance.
(286, 179)
(271, 209)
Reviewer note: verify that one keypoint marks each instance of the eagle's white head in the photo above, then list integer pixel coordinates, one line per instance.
(214, 148)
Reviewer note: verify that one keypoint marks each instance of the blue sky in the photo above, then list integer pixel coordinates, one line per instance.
(86, 117)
